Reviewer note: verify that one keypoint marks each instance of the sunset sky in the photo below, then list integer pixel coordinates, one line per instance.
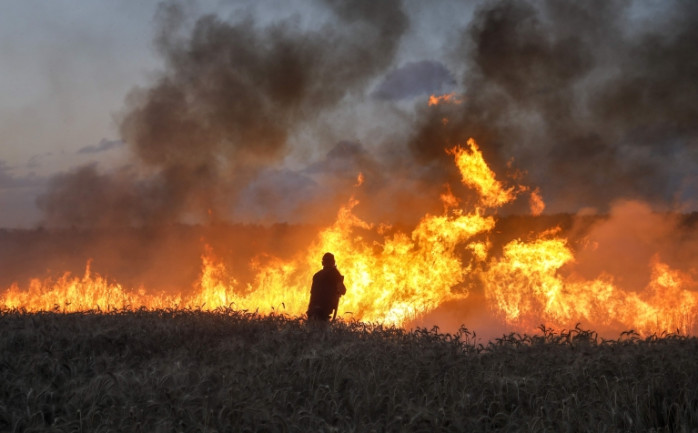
(593, 103)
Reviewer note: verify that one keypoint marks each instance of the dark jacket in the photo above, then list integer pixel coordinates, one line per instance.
(328, 286)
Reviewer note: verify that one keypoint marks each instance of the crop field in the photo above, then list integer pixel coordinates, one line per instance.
(191, 371)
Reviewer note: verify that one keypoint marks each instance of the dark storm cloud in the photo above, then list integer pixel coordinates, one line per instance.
(415, 79)
(223, 108)
(591, 100)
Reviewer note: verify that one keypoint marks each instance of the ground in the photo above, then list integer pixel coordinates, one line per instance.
(191, 371)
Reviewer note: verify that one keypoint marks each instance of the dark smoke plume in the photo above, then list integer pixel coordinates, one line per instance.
(593, 100)
(223, 109)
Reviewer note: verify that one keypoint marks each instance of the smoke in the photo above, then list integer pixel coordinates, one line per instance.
(630, 240)
(86, 198)
(223, 109)
(596, 100)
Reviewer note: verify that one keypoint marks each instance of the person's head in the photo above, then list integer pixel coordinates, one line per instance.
(328, 260)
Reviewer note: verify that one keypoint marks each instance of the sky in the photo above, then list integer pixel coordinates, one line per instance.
(66, 68)
(132, 112)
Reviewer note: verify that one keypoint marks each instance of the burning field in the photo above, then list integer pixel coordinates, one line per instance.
(509, 189)
(528, 191)
(447, 265)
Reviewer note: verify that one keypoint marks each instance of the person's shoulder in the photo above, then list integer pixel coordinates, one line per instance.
(327, 273)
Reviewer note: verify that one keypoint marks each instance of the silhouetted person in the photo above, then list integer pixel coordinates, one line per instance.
(328, 286)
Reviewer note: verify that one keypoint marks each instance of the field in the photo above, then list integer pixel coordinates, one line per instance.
(231, 371)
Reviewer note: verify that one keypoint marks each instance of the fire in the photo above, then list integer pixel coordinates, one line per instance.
(476, 174)
(528, 289)
(71, 294)
(449, 200)
(450, 98)
(393, 281)
(525, 279)
(536, 202)
(396, 277)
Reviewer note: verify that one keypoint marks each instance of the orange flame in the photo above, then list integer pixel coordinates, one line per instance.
(71, 294)
(395, 277)
(445, 98)
(528, 290)
(476, 174)
(449, 200)
(536, 202)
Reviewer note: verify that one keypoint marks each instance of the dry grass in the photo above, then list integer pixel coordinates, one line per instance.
(230, 371)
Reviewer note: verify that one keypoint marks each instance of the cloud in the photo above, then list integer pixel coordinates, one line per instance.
(276, 196)
(103, 146)
(10, 181)
(345, 159)
(415, 79)
(17, 195)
